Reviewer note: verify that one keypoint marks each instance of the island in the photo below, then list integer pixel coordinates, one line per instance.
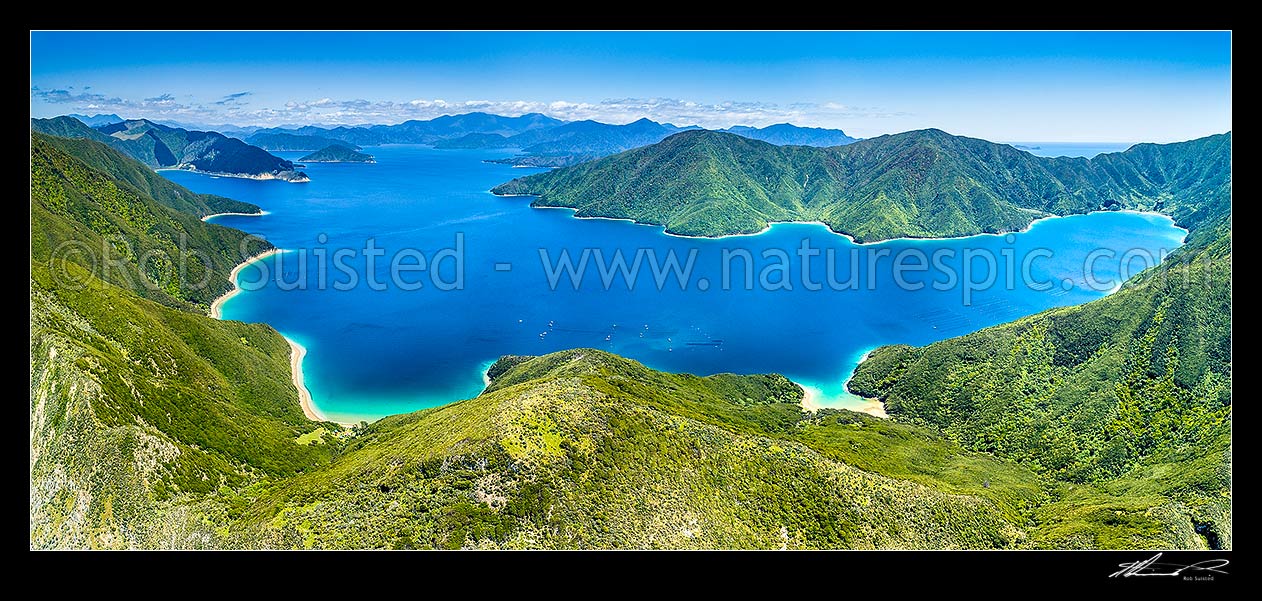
(337, 153)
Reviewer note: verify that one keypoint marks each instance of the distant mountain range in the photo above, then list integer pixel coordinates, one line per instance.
(97, 120)
(580, 141)
(424, 132)
(924, 183)
(337, 153)
(544, 141)
(160, 146)
(294, 142)
(786, 134)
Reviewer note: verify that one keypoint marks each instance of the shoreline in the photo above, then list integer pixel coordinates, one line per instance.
(810, 399)
(216, 307)
(813, 399)
(213, 215)
(863, 357)
(297, 353)
(848, 237)
(486, 374)
(253, 176)
(845, 386)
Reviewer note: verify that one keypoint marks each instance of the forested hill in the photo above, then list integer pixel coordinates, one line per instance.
(122, 168)
(141, 407)
(159, 146)
(83, 193)
(924, 183)
(337, 153)
(152, 425)
(295, 142)
(1126, 401)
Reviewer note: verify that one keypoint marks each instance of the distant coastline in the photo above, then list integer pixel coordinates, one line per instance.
(848, 237)
(297, 178)
(213, 215)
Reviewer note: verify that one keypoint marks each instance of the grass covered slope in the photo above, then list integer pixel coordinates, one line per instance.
(1125, 400)
(120, 167)
(140, 411)
(153, 426)
(923, 183)
(137, 408)
(157, 145)
(583, 449)
(84, 206)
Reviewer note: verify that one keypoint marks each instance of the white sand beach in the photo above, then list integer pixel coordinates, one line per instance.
(216, 307)
(296, 353)
(213, 215)
(813, 399)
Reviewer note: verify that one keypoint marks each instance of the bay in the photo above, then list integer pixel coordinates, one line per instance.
(372, 353)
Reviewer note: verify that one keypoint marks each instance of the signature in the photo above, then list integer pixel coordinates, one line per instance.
(1152, 567)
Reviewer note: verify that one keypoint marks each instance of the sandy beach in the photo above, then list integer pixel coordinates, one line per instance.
(216, 307)
(296, 354)
(213, 215)
(810, 399)
(813, 400)
(296, 351)
(872, 407)
(255, 176)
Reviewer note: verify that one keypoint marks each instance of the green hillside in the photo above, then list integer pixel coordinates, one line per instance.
(916, 184)
(153, 426)
(1126, 401)
(157, 145)
(83, 214)
(582, 449)
(125, 169)
(141, 409)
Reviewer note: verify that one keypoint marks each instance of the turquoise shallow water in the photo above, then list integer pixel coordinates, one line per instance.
(377, 352)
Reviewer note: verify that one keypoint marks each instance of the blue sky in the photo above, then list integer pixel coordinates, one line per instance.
(1029, 86)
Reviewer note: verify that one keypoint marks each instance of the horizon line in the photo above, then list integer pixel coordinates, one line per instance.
(294, 126)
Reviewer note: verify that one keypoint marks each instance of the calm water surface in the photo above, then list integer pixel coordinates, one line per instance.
(377, 352)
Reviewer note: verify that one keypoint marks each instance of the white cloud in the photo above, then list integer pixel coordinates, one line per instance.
(233, 108)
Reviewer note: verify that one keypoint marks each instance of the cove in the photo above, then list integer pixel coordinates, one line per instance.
(372, 353)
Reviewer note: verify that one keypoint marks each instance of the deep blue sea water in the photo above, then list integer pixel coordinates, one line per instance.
(373, 353)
